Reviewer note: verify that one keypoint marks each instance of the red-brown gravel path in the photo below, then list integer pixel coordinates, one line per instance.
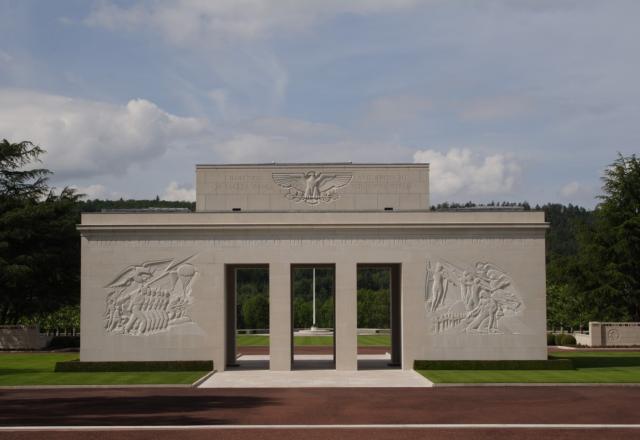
(179, 406)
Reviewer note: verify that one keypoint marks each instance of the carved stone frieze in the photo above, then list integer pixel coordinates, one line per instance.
(469, 300)
(150, 297)
(311, 187)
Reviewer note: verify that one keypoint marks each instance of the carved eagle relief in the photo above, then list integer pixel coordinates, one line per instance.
(311, 187)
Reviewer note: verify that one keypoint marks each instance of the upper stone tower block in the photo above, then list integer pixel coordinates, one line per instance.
(312, 186)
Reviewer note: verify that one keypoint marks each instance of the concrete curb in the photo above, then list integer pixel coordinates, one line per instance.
(198, 382)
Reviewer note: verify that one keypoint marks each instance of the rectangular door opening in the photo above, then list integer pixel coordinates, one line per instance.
(313, 316)
(247, 313)
(379, 317)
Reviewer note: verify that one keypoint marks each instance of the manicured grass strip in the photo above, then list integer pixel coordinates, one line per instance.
(555, 364)
(595, 359)
(307, 341)
(374, 340)
(38, 369)
(252, 340)
(103, 378)
(592, 375)
(132, 366)
(263, 340)
(590, 367)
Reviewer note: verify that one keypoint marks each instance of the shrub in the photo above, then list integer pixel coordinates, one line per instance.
(551, 339)
(64, 342)
(565, 339)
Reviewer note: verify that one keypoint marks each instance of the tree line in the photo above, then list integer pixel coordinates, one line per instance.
(252, 287)
(592, 256)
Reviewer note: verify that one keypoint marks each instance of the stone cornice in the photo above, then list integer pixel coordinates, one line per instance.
(344, 221)
(310, 226)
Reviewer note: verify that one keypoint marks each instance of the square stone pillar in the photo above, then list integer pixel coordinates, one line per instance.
(415, 329)
(346, 325)
(595, 334)
(280, 316)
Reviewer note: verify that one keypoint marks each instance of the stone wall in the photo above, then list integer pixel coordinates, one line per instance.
(608, 334)
(472, 284)
(312, 187)
(20, 337)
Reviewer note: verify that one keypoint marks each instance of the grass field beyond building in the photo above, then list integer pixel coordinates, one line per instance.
(363, 340)
(590, 367)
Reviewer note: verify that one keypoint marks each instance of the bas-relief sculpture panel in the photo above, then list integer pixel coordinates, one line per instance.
(472, 300)
(311, 187)
(150, 297)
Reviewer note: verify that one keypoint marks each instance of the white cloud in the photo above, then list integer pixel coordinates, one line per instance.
(460, 172)
(175, 192)
(570, 189)
(89, 138)
(578, 192)
(295, 140)
(182, 21)
(91, 192)
(279, 139)
(96, 191)
(249, 147)
(227, 37)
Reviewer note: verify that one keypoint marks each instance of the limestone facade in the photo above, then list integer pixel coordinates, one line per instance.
(472, 284)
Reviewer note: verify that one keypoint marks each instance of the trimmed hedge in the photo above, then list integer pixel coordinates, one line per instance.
(84, 367)
(554, 364)
(64, 342)
(551, 339)
(565, 339)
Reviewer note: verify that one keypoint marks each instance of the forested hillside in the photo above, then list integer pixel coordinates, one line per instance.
(593, 256)
(55, 229)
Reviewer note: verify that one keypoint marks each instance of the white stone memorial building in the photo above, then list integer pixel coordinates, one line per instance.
(464, 285)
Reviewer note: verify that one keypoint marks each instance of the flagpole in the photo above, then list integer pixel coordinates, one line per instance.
(313, 326)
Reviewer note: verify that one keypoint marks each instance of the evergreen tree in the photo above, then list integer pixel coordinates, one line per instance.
(39, 245)
(607, 270)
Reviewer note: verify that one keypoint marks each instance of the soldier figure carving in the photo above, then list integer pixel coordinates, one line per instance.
(487, 294)
(149, 298)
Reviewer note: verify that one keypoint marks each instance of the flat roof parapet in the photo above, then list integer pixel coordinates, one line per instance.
(482, 209)
(143, 210)
(312, 164)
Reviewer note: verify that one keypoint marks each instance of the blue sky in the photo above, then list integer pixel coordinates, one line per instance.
(508, 100)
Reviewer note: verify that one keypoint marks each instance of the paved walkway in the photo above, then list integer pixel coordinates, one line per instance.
(319, 406)
(315, 373)
(527, 413)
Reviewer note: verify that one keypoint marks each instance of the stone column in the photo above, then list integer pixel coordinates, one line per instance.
(346, 325)
(280, 316)
(415, 328)
(595, 334)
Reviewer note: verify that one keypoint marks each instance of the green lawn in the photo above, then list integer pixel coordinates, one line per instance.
(37, 369)
(591, 367)
(304, 341)
(252, 341)
(263, 340)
